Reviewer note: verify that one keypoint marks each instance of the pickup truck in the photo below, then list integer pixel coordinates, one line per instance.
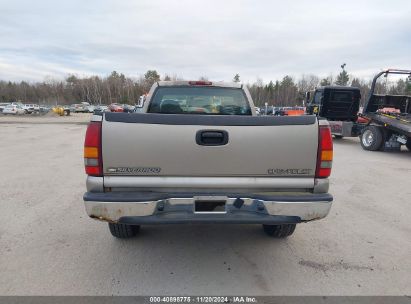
(340, 106)
(198, 153)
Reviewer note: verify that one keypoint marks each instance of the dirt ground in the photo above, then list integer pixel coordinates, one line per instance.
(48, 245)
(47, 118)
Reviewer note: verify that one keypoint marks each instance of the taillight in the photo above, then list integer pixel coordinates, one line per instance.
(92, 150)
(325, 152)
(200, 82)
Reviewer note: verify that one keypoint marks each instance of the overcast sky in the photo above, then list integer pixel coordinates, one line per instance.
(217, 39)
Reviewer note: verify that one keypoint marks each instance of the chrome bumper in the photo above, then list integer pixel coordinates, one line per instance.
(133, 209)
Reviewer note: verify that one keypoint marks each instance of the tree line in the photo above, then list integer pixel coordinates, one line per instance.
(117, 88)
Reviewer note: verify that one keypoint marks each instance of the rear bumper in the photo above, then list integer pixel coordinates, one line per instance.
(176, 208)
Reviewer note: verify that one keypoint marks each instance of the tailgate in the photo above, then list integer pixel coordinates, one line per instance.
(168, 145)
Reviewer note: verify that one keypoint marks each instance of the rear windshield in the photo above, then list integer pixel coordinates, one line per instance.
(342, 96)
(199, 100)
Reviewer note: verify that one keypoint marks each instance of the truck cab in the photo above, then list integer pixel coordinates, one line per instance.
(335, 103)
(339, 105)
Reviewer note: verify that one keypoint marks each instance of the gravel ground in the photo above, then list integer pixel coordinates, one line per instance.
(48, 246)
(48, 118)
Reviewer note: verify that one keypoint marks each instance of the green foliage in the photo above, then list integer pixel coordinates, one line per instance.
(116, 76)
(72, 79)
(287, 82)
(408, 86)
(151, 76)
(236, 78)
(116, 87)
(325, 82)
(284, 92)
(125, 99)
(342, 78)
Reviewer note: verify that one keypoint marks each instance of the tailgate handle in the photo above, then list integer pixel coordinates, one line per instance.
(212, 137)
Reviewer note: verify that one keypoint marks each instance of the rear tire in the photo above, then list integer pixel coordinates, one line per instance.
(123, 231)
(279, 231)
(408, 144)
(372, 138)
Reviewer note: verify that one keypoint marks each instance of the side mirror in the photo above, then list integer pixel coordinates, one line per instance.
(307, 97)
(141, 101)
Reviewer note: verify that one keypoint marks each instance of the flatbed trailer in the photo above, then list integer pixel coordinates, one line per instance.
(397, 123)
(389, 118)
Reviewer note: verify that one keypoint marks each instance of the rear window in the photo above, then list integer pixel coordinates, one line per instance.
(199, 100)
(342, 96)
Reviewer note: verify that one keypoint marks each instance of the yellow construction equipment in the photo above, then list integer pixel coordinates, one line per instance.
(61, 111)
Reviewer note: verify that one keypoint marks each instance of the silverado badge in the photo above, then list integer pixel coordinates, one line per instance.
(135, 170)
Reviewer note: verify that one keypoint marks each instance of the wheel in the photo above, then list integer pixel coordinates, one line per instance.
(408, 144)
(372, 138)
(279, 231)
(338, 136)
(123, 231)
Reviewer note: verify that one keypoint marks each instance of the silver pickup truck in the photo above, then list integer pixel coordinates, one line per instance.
(197, 153)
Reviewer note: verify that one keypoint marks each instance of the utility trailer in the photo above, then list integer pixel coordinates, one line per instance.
(340, 106)
(388, 116)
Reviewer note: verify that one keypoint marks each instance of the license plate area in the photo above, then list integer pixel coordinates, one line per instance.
(206, 206)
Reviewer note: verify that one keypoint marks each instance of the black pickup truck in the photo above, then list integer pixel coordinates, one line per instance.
(389, 117)
(340, 106)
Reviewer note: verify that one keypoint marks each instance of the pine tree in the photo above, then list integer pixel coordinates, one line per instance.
(151, 76)
(408, 86)
(325, 82)
(236, 78)
(342, 78)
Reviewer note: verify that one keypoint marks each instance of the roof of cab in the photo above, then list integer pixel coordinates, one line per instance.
(337, 87)
(180, 83)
